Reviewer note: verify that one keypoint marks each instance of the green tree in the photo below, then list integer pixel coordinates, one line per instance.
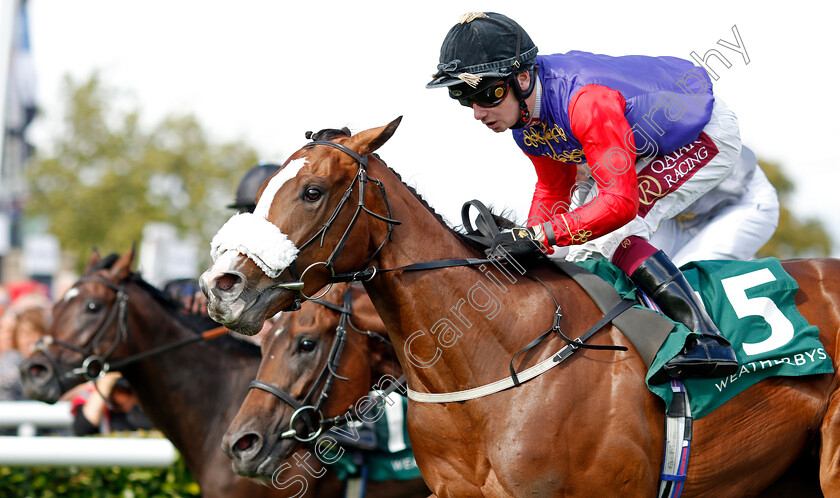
(104, 177)
(795, 237)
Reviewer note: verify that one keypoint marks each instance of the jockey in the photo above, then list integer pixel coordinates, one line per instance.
(649, 132)
(246, 192)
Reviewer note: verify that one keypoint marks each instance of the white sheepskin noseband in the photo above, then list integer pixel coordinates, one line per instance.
(257, 238)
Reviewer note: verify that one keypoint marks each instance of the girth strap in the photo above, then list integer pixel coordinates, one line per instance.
(617, 310)
(515, 379)
(644, 328)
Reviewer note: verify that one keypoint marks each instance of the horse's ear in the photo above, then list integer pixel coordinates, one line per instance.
(122, 267)
(93, 259)
(369, 140)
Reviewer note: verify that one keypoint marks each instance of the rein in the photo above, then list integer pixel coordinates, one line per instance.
(93, 364)
(485, 233)
(326, 377)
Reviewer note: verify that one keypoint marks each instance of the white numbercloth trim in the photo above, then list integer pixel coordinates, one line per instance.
(257, 238)
(396, 422)
(492, 388)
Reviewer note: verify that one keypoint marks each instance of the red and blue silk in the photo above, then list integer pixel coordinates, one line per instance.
(605, 111)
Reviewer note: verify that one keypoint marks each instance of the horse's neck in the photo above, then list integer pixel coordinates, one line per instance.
(412, 301)
(466, 316)
(191, 393)
(383, 361)
(420, 236)
(381, 355)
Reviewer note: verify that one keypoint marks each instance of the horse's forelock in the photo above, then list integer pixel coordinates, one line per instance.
(328, 134)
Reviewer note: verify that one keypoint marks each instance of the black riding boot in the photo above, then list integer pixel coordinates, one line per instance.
(708, 356)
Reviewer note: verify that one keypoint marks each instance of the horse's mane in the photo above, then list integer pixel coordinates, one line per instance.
(171, 306)
(195, 322)
(501, 219)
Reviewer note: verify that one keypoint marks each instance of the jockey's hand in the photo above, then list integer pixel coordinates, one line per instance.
(197, 304)
(518, 242)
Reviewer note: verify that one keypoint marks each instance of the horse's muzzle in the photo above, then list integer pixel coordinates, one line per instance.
(39, 380)
(223, 290)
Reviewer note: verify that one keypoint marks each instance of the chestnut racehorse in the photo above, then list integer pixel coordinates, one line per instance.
(588, 427)
(190, 393)
(336, 331)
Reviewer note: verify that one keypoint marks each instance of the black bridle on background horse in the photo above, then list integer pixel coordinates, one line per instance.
(315, 423)
(95, 364)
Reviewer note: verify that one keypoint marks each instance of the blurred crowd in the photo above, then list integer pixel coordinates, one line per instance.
(110, 403)
(25, 317)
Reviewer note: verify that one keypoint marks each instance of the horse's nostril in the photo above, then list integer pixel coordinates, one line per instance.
(36, 370)
(245, 442)
(226, 281)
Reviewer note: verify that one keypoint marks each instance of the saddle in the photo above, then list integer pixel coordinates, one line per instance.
(644, 328)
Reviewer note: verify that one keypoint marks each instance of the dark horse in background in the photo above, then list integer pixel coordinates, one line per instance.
(588, 427)
(190, 393)
(295, 353)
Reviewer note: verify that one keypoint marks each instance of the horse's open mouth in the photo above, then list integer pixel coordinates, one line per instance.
(250, 320)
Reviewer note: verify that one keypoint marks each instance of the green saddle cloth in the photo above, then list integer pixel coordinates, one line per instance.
(752, 303)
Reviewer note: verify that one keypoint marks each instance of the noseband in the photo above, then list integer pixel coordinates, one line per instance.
(361, 179)
(327, 377)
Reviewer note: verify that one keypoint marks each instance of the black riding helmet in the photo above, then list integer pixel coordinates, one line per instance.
(246, 193)
(482, 49)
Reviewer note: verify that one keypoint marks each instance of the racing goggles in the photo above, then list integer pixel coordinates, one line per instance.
(489, 96)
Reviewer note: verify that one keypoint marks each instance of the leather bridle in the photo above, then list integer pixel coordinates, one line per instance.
(313, 402)
(95, 364)
(486, 233)
(361, 180)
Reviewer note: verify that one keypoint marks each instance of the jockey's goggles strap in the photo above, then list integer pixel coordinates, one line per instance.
(524, 113)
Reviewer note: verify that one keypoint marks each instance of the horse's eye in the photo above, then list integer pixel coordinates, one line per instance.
(93, 307)
(306, 346)
(312, 194)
